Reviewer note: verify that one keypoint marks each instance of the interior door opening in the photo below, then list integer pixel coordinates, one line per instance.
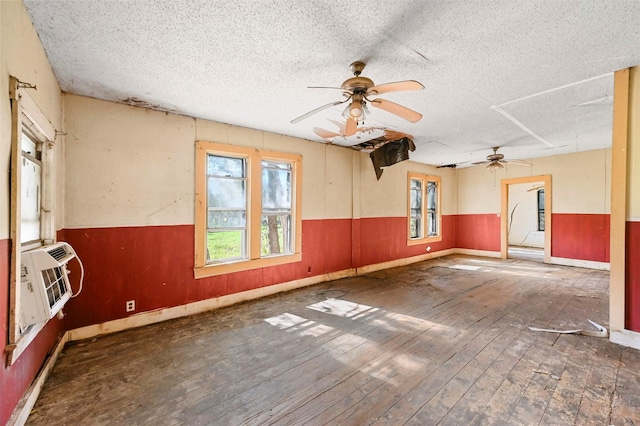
(526, 218)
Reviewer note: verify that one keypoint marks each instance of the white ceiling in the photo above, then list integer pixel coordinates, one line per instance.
(548, 64)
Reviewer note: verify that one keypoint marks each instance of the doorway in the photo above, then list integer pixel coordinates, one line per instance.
(530, 238)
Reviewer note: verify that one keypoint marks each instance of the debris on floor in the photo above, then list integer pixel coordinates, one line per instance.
(601, 332)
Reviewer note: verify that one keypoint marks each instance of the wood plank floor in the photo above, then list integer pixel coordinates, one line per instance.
(444, 341)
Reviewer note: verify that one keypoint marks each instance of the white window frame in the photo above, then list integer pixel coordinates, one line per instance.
(26, 117)
(424, 179)
(253, 158)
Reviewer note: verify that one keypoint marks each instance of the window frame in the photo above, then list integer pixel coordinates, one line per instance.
(253, 158)
(424, 179)
(28, 119)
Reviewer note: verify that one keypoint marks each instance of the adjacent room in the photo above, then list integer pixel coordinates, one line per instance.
(274, 212)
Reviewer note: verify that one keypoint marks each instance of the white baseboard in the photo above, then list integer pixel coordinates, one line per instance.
(402, 262)
(625, 338)
(481, 253)
(151, 317)
(590, 264)
(23, 409)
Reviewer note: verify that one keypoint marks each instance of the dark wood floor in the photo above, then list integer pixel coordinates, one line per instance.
(439, 342)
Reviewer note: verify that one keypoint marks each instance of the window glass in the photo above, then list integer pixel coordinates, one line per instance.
(31, 191)
(415, 225)
(227, 192)
(225, 166)
(225, 245)
(275, 224)
(226, 208)
(541, 210)
(276, 186)
(432, 208)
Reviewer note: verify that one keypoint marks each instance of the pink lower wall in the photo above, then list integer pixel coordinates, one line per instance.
(580, 236)
(477, 231)
(15, 379)
(154, 265)
(382, 239)
(632, 308)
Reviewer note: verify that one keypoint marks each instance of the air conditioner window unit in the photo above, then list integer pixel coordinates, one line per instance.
(45, 286)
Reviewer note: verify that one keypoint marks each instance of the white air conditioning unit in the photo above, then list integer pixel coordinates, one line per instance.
(44, 284)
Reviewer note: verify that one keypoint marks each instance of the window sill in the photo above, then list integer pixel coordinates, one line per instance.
(16, 349)
(417, 241)
(245, 265)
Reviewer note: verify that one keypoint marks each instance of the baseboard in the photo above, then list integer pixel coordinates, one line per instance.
(159, 315)
(28, 400)
(481, 253)
(625, 338)
(590, 264)
(402, 262)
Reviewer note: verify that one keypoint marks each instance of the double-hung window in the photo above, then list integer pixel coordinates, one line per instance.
(32, 208)
(247, 208)
(424, 216)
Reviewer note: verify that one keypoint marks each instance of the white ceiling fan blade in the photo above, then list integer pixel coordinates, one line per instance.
(346, 91)
(350, 127)
(518, 162)
(325, 134)
(397, 109)
(398, 86)
(323, 107)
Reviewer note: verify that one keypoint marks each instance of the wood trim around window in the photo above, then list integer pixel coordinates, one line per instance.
(254, 169)
(26, 116)
(424, 178)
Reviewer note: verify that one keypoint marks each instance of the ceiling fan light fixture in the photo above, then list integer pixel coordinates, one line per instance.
(494, 165)
(356, 110)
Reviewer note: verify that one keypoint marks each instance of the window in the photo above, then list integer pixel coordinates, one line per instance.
(424, 209)
(247, 208)
(540, 209)
(32, 195)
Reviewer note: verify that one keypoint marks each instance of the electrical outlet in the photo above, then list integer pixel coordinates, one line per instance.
(130, 305)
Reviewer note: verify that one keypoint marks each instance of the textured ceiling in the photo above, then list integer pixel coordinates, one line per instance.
(494, 71)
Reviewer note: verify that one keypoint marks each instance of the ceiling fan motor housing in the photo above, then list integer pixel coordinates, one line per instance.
(358, 84)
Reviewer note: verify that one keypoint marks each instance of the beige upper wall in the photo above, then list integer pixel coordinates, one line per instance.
(22, 55)
(387, 197)
(581, 183)
(129, 166)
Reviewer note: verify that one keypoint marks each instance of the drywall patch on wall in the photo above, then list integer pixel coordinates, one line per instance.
(580, 236)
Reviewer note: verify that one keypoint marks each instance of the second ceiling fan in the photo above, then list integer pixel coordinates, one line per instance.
(359, 90)
(496, 161)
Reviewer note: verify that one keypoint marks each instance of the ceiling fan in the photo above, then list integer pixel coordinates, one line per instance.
(496, 161)
(359, 90)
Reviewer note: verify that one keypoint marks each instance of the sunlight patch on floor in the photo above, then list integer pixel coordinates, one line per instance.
(465, 267)
(290, 323)
(343, 308)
